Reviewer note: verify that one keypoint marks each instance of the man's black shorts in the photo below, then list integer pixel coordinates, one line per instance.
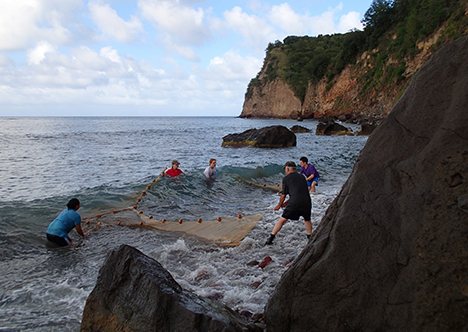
(58, 240)
(294, 214)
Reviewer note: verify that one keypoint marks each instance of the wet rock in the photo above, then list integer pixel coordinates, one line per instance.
(299, 129)
(255, 327)
(252, 263)
(385, 257)
(332, 128)
(255, 284)
(463, 203)
(266, 261)
(367, 128)
(258, 317)
(267, 137)
(135, 293)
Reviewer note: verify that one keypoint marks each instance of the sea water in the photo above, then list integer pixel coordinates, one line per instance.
(106, 163)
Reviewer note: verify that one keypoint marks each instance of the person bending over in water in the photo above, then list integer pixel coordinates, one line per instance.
(174, 171)
(299, 203)
(62, 225)
(311, 174)
(210, 171)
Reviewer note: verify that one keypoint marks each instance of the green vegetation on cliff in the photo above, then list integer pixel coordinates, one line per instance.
(393, 29)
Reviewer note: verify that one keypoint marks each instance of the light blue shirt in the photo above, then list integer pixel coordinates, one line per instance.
(64, 223)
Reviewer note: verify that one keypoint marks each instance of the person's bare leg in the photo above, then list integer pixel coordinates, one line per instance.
(312, 187)
(279, 224)
(308, 227)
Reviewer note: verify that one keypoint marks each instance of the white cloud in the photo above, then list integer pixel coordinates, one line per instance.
(112, 25)
(232, 66)
(289, 21)
(350, 21)
(23, 21)
(183, 23)
(255, 30)
(37, 54)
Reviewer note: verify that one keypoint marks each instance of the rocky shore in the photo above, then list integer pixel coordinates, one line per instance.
(389, 255)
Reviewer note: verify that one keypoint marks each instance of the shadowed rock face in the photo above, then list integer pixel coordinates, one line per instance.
(135, 293)
(267, 137)
(391, 251)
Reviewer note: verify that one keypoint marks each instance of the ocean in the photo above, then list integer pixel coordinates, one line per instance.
(106, 162)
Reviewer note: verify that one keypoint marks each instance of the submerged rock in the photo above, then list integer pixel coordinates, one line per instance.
(267, 137)
(390, 253)
(332, 128)
(299, 129)
(135, 293)
(367, 128)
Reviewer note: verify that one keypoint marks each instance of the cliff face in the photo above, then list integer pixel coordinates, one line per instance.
(390, 252)
(275, 100)
(347, 94)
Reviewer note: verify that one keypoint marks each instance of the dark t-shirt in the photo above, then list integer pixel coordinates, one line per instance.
(295, 185)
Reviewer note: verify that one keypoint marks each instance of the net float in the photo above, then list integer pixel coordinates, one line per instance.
(264, 185)
(114, 211)
(149, 186)
(134, 206)
(118, 223)
(99, 216)
(250, 182)
(154, 180)
(199, 220)
(163, 221)
(180, 221)
(99, 223)
(239, 216)
(219, 219)
(138, 199)
(143, 193)
(150, 217)
(140, 212)
(277, 184)
(87, 221)
(141, 222)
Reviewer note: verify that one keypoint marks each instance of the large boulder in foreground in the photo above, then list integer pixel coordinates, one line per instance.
(135, 293)
(267, 137)
(391, 251)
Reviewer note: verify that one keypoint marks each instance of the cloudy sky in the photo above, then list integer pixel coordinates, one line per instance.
(147, 57)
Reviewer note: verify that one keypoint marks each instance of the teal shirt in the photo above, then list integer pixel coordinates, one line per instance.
(64, 223)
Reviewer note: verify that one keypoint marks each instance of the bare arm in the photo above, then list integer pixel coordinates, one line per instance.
(281, 203)
(80, 230)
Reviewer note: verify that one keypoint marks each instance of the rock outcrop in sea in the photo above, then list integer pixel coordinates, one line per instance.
(391, 252)
(267, 137)
(135, 293)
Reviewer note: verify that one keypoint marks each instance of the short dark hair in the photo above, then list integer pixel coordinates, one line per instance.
(74, 202)
(304, 159)
(290, 164)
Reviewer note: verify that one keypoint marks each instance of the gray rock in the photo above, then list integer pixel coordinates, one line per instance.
(135, 293)
(391, 251)
(299, 129)
(367, 128)
(332, 128)
(267, 137)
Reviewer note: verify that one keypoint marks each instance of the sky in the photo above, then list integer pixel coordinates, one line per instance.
(148, 57)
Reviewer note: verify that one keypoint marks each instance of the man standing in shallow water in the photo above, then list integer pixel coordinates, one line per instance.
(311, 174)
(210, 171)
(299, 203)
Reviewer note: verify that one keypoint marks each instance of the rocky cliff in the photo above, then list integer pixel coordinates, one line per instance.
(345, 95)
(390, 253)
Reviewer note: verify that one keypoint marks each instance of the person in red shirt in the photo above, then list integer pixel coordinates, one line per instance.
(174, 171)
